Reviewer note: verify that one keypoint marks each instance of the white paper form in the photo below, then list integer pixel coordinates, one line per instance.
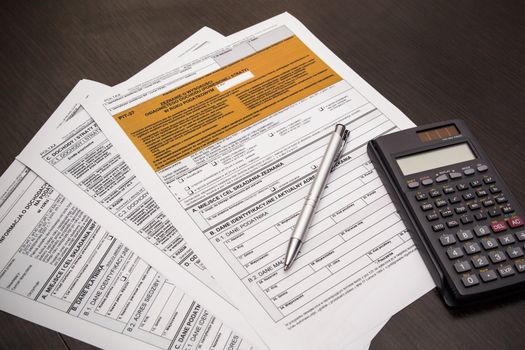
(66, 143)
(202, 37)
(232, 146)
(95, 289)
(60, 269)
(71, 142)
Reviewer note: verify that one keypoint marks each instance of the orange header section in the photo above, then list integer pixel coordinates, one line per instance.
(183, 121)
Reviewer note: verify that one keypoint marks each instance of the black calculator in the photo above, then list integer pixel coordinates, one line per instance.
(464, 220)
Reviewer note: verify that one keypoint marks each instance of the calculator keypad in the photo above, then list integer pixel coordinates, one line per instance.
(479, 231)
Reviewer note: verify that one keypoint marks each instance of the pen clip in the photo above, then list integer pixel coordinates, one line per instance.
(343, 144)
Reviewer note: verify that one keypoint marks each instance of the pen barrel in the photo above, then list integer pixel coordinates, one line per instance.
(319, 182)
(304, 219)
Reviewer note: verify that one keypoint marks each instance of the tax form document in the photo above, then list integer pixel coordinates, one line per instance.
(228, 149)
(201, 38)
(71, 149)
(71, 142)
(72, 154)
(61, 269)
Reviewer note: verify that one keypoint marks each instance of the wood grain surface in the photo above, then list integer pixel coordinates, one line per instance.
(435, 60)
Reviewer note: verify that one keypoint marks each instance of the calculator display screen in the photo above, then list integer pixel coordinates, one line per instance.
(435, 158)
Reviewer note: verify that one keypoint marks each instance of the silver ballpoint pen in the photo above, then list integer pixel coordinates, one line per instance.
(332, 153)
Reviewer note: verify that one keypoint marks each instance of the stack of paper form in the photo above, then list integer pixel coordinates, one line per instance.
(156, 213)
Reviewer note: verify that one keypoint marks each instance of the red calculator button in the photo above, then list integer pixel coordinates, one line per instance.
(515, 221)
(498, 226)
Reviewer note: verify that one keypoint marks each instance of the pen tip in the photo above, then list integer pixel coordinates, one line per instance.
(286, 267)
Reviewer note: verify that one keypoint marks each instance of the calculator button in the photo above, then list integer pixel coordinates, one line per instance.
(515, 221)
(472, 248)
(480, 216)
(448, 190)
(469, 281)
(413, 184)
(497, 256)
(455, 176)
(498, 226)
(488, 276)
(468, 196)
(454, 253)
(446, 213)
(481, 231)
(447, 239)
(461, 187)
(474, 206)
(480, 261)
(494, 189)
(426, 206)
(506, 271)
(475, 183)
(488, 203)
(514, 253)
(442, 178)
(454, 199)
(501, 199)
(460, 210)
(464, 235)
(462, 266)
(494, 212)
(506, 239)
(438, 227)
(421, 196)
(427, 182)
(489, 243)
(488, 180)
(482, 168)
(468, 171)
(432, 216)
(452, 223)
(507, 209)
(482, 193)
(520, 266)
(440, 203)
(434, 193)
(467, 219)
(520, 236)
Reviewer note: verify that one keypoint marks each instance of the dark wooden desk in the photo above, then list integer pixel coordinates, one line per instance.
(434, 60)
